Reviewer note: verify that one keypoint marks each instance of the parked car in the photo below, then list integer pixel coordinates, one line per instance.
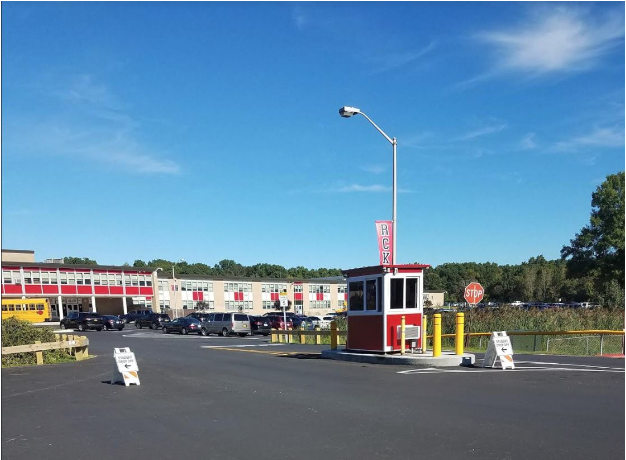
(277, 322)
(112, 322)
(83, 321)
(182, 326)
(291, 316)
(322, 322)
(131, 316)
(199, 316)
(153, 321)
(260, 325)
(226, 324)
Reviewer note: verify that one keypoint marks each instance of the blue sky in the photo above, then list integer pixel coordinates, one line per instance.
(210, 131)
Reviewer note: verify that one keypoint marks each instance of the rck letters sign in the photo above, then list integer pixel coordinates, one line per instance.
(384, 228)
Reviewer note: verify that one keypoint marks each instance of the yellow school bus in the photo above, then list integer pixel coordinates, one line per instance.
(33, 310)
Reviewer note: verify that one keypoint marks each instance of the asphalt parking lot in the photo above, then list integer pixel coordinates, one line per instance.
(216, 397)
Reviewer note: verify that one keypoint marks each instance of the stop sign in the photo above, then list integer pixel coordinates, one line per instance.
(474, 293)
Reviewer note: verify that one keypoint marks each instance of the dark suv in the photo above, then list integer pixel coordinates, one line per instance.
(83, 321)
(153, 321)
(133, 315)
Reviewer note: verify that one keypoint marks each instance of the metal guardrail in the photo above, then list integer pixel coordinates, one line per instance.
(80, 345)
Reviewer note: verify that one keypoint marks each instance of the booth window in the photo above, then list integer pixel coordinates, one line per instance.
(356, 296)
(397, 293)
(370, 295)
(411, 293)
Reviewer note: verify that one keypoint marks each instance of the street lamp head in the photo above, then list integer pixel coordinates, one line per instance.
(347, 112)
(158, 268)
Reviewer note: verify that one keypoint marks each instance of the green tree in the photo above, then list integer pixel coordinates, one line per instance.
(598, 249)
(79, 261)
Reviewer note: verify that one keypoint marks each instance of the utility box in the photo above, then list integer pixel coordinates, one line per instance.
(378, 297)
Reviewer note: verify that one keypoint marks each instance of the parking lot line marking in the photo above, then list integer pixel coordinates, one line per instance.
(243, 346)
(568, 364)
(481, 370)
(263, 352)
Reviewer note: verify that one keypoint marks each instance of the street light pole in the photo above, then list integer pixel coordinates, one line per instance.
(347, 112)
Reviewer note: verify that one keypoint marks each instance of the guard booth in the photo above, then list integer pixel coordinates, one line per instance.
(378, 297)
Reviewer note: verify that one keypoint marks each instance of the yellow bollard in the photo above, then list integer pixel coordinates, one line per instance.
(460, 329)
(402, 334)
(424, 333)
(274, 336)
(333, 335)
(437, 335)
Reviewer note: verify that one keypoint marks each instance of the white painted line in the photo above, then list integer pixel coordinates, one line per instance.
(242, 346)
(568, 364)
(518, 369)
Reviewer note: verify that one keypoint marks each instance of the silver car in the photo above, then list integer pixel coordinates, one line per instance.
(225, 324)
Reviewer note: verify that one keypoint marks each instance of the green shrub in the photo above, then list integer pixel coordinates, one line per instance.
(18, 332)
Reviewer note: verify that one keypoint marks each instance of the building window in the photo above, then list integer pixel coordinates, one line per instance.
(356, 296)
(63, 278)
(118, 279)
(6, 277)
(53, 278)
(273, 288)
(298, 288)
(28, 278)
(36, 278)
(96, 279)
(342, 288)
(71, 278)
(79, 278)
(45, 278)
(127, 280)
(319, 288)
(135, 280)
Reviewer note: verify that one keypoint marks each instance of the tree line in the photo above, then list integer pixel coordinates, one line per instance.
(591, 267)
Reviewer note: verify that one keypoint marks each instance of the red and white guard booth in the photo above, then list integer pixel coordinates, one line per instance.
(378, 297)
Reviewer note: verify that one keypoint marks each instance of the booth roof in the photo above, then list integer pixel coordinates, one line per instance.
(381, 269)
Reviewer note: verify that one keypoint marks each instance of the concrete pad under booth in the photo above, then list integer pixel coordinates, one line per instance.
(447, 359)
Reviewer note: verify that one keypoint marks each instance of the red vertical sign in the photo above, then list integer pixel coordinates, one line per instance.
(384, 229)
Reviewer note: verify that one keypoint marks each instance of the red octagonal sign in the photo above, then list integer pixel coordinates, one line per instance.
(474, 293)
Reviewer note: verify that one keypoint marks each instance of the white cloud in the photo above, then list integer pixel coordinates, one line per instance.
(563, 39)
(299, 18)
(375, 188)
(92, 124)
(374, 169)
(599, 137)
(485, 130)
(528, 142)
(388, 60)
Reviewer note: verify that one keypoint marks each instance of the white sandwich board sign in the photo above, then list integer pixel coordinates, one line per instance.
(499, 348)
(126, 369)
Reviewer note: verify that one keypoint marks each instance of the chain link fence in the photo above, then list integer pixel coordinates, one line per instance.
(574, 345)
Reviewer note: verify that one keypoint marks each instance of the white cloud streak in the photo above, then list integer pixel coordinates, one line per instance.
(491, 129)
(557, 40)
(598, 138)
(528, 142)
(374, 169)
(94, 125)
(390, 60)
(374, 188)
